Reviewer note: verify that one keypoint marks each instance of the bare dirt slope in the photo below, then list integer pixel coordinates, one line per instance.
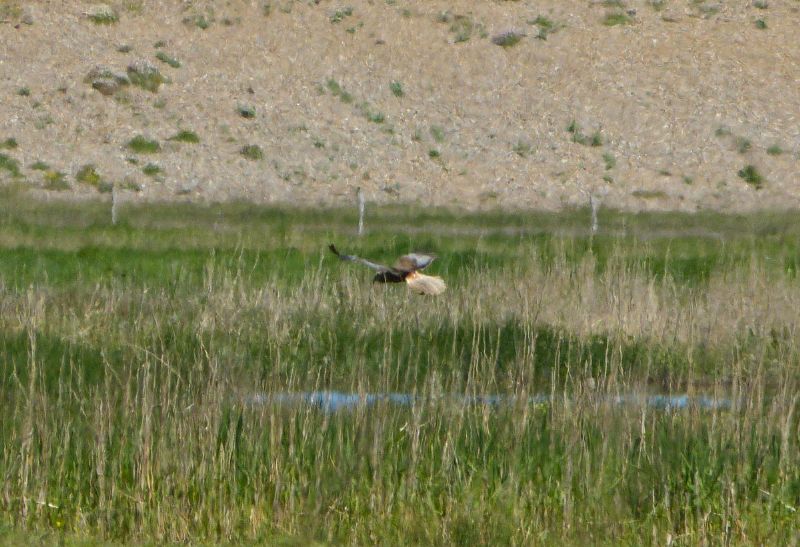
(410, 100)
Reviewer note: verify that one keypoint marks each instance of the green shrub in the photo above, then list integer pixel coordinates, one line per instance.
(397, 89)
(751, 176)
(55, 180)
(143, 145)
(616, 18)
(189, 137)
(9, 164)
(245, 111)
(775, 150)
(88, 175)
(151, 170)
(171, 61)
(252, 152)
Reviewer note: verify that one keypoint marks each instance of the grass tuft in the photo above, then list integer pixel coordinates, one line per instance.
(152, 170)
(171, 61)
(103, 15)
(507, 39)
(775, 150)
(337, 91)
(339, 15)
(615, 18)
(88, 174)
(251, 152)
(143, 145)
(396, 89)
(9, 144)
(751, 176)
(10, 165)
(185, 136)
(55, 180)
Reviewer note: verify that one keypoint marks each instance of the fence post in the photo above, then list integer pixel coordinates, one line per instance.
(361, 207)
(114, 203)
(594, 203)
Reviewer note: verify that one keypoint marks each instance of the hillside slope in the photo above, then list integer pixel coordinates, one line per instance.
(651, 105)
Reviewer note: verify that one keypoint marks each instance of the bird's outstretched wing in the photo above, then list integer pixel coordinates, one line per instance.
(413, 262)
(353, 258)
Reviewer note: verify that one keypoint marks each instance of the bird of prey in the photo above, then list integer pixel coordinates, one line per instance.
(405, 269)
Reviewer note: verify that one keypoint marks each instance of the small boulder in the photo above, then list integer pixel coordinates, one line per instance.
(28, 15)
(105, 80)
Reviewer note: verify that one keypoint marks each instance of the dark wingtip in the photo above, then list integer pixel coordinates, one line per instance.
(332, 247)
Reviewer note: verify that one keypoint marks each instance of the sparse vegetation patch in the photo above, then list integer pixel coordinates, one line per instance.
(508, 38)
(461, 26)
(615, 18)
(751, 176)
(185, 136)
(151, 170)
(10, 165)
(546, 26)
(775, 150)
(743, 145)
(437, 132)
(246, 111)
(337, 91)
(171, 61)
(102, 14)
(251, 152)
(340, 14)
(523, 148)
(9, 144)
(142, 145)
(145, 75)
(55, 180)
(396, 89)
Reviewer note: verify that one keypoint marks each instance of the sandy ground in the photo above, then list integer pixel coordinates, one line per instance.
(679, 100)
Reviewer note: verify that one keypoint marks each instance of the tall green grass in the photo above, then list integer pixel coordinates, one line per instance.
(130, 356)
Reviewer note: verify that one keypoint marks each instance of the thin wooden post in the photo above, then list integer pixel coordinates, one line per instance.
(594, 203)
(114, 203)
(361, 207)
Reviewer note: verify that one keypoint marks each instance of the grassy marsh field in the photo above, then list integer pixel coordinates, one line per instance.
(130, 356)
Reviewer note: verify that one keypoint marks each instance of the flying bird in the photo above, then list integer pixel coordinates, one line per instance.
(405, 269)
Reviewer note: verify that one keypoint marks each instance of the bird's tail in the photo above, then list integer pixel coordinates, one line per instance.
(425, 284)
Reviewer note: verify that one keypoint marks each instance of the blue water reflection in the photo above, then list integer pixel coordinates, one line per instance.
(335, 401)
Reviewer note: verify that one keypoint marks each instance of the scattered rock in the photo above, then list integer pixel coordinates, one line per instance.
(28, 15)
(106, 87)
(671, 16)
(105, 80)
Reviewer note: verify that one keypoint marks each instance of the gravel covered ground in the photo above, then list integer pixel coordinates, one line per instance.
(650, 105)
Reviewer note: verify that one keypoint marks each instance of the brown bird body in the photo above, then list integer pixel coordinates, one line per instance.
(405, 269)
